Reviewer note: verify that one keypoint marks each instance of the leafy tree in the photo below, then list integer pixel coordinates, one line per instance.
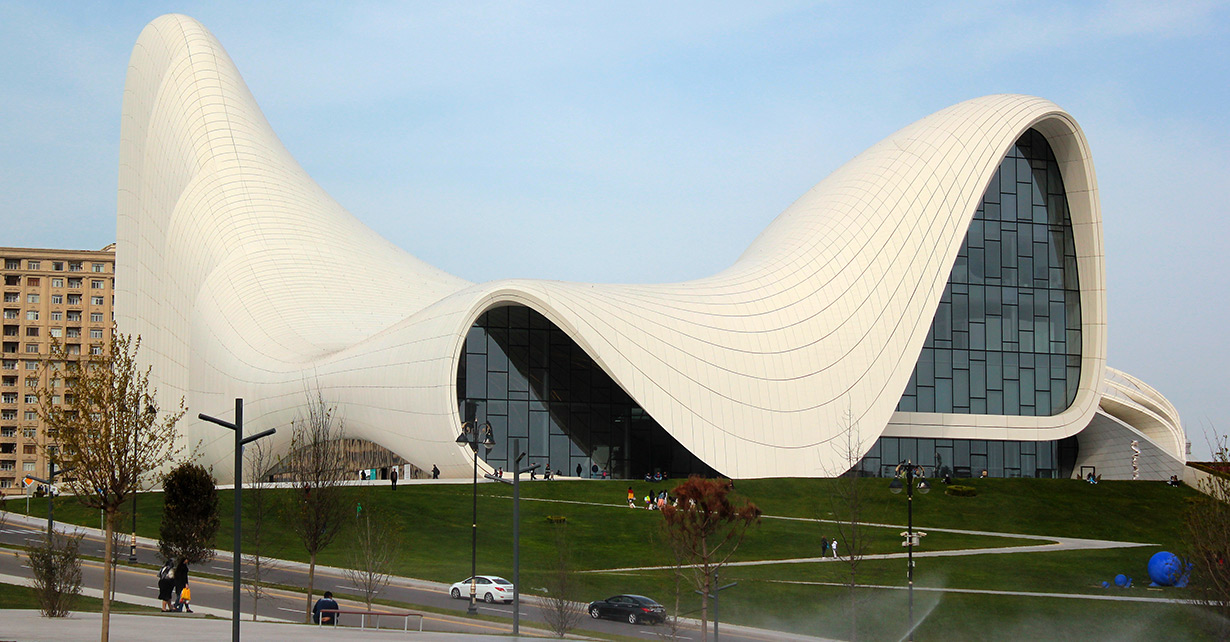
(107, 433)
(317, 509)
(189, 514)
(705, 529)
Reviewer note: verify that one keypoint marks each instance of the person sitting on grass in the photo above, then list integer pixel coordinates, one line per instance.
(325, 603)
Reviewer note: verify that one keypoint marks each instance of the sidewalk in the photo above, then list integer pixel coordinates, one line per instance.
(28, 625)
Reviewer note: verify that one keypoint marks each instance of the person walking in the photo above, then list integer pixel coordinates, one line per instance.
(393, 477)
(631, 497)
(578, 470)
(166, 583)
(834, 545)
(824, 547)
(435, 472)
(181, 578)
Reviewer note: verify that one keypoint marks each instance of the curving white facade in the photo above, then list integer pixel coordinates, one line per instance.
(244, 279)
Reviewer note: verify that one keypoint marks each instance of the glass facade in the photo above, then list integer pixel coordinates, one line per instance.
(1006, 338)
(545, 396)
(969, 457)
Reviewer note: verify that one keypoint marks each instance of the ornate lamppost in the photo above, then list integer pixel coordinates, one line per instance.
(909, 471)
(474, 435)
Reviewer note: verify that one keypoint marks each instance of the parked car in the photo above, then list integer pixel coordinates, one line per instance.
(633, 608)
(489, 588)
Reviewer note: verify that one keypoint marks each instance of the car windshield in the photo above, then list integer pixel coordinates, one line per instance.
(500, 580)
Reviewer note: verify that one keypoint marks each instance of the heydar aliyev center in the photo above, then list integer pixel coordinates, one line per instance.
(941, 297)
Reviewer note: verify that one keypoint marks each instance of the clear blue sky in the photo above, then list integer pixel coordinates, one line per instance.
(632, 142)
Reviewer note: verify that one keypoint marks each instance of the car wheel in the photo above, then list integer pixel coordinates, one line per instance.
(594, 613)
(456, 594)
(632, 619)
(489, 598)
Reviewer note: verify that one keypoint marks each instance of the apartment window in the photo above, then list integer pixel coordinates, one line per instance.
(31, 298)
(95, 350)
(8, 415)
(9, 397)
(96, 300)
(74, 283)
(74, 316)
(58, 266)
(57, 299)
(27, 466)
(31, 365)
(96, 317)
(12, 264)
(31, 399)
(99, 267)
(8, 465)
(32, 348)
(27, 433)
(31, 315)
(55, 399)
(73, 349)
(28, 449)
(31, 382)
(11, 297)
(96, 284)
(31, 415)
(57, 332)
(57, 282)
(74, 266)
(96, 333)
(74, 333)
(10, 313)
(33, 265)
(10, 365)
(32, 332)
(33, 281)
(57, 315)
(11, 330)
(74, 299)
(8, 431)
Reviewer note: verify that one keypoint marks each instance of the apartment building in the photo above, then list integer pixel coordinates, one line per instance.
(64, 295)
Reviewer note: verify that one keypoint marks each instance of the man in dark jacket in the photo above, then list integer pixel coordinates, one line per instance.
(181, 578)
(325, 603)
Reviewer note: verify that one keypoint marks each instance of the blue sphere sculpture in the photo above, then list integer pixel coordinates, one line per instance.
(1165, 568)
(1123, 581)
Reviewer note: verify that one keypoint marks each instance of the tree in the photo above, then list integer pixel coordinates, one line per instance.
(705, 529)
(374, 548)
(317, 508)
(1208, 537)
(257, 509)
(108, 434)
(189, 514)
(848, 498)
(56, 570)
(560, 609)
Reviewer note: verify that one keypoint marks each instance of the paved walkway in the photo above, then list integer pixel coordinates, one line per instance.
(23, 625)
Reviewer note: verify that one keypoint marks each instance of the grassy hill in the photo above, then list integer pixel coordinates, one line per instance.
(602, 534)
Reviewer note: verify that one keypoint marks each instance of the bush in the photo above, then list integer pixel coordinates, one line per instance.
(961, 491)
(556, 519)
(56, 566)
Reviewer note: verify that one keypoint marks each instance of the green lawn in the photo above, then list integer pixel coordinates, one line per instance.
(13, 596)
(436, 527)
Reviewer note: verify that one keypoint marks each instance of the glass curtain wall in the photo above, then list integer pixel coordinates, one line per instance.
(545, 396)
(970, 457)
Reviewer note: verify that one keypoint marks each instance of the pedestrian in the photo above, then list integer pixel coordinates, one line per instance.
(834, 545)
(824, 547)
(435, 472)
(185, 600)
(166, 584)
(393, 478)
(631, 497)
(578, 470)
(181, 578)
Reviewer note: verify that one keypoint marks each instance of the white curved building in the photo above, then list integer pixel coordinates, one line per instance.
(940, 297)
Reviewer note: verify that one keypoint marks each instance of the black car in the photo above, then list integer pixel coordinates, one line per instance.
(633, 608)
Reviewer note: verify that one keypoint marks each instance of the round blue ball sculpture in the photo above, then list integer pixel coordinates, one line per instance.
(1165, 569)
(1123, 581)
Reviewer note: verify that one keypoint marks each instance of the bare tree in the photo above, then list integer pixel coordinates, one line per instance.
(560, 608)
(258, 511)
(847, 500)
(317, 509)
(705, 529)
(107, 432)
(56, 567)
(1208, 537)
(374, 548)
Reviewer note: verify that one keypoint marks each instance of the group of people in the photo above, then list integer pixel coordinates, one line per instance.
(655, 500)
(173, 587)
(657, 476)
(828, 546)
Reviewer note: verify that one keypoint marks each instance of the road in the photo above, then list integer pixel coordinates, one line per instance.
(214, 593)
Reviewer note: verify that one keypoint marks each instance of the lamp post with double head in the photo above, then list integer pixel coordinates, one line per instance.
(475, 435)
(909, 471)
(516, 484)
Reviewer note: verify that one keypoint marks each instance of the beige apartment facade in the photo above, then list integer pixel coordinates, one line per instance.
(48, 295)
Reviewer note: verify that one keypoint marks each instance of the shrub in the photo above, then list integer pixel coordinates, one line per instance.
(556, 519)
(56, 566)
(961, 491)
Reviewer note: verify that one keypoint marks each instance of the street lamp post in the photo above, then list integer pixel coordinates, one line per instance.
(714, 596)
(132, 549)
(909, 471)
(237, 557)
(52, 473)
(516, 484)
(473, 434)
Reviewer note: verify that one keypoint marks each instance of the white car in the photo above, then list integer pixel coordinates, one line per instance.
(488, 588)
